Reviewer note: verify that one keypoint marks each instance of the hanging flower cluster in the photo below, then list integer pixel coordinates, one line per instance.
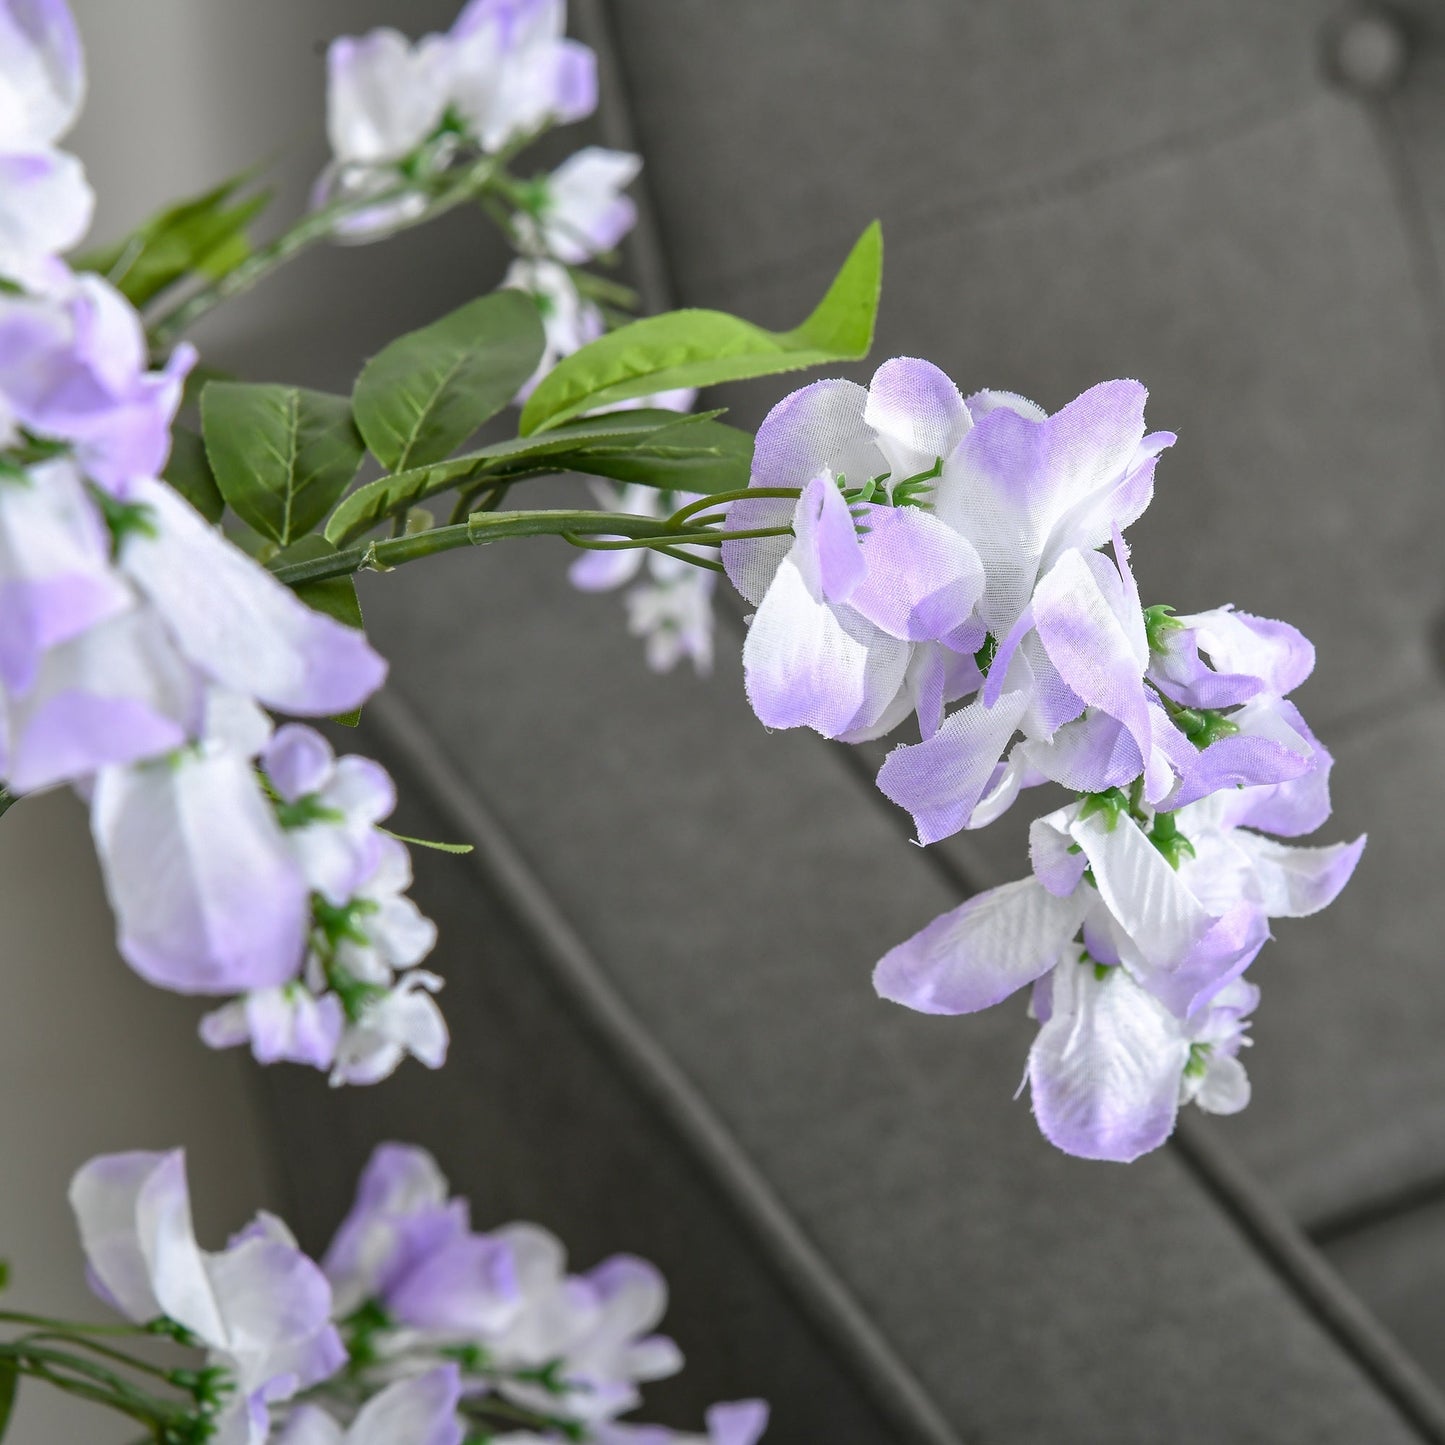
(413, 1330)
(946, 561)
(402, 117)
(138, 651)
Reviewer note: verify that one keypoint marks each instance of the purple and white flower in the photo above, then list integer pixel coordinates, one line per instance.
(582, 210)
(1176, 912)
(45, 200)
(260, 1307)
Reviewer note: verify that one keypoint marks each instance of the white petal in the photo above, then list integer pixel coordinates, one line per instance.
(237, 623)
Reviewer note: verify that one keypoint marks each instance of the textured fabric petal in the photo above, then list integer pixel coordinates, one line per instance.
(1058, 862)
(298, 761)
(1279, 655)
(421, 1410)
(916, 413)
(737, 1422)
(205, 893)
(104, 1195)
(817, 429)
(56, 578)
(400, 1181)
(827, 550)
(310, 1425)
(1011, 479)
(273, 1301)
(941, 781)
(807, 665)
(46, 205)
(1225, 1086)
(922, 580)
(468, 1287)
(1104, 1070)
(118, 693)
(982, 951)
(1151, 902)
(1088, 755)
(1082, 614)
(383, 97)
(42, 73)
(238, 624)
(586, 212)
(1227, 948)
(1296, 882)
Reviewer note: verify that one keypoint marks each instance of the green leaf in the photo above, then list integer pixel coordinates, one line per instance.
(423, 395)
(335, 596)
(203, 236)
(9, 1385)
(702, 348)
(282, 455)
(373, 503)
(189, 472)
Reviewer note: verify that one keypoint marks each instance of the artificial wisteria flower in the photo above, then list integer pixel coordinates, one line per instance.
(868, 611)
(408, 1272)
(260, 1308)
(986, 500)
(418, 1411)
(1134, 931)
(421, 1410)
(580, 210)
(398, 113)
(416, 1331)
(45, 200)
(670, 607)
(359, 1005)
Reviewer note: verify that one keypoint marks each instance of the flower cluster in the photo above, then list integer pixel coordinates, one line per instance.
(45, 200)
(360, 1004)
(413, 1328)
(402, 117)
(948, 554)
(138, 649)
(399, 114)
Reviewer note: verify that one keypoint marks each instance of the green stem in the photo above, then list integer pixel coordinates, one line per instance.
(95, 1347)
(316, 226)
(483, 527)
(71, 1327)
(716, 499)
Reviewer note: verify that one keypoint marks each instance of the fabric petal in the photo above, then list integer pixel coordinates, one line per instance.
(237, 623)
(922, 579)
(421, 1410)
(1105, 1069)
(817, 429)
(206, 896)
(941, 781)
(982, 951)
(916, 413)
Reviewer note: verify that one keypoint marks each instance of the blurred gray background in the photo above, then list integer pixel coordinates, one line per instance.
(665, 1039)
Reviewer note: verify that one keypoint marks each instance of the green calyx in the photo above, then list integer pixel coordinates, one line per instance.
(1203, 726)
(305, 811)
(1112, 804)
(1159, 622)
(1198, 1063)
(914, 491)
(1167, 838)
(124, 519)
(983, 658)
